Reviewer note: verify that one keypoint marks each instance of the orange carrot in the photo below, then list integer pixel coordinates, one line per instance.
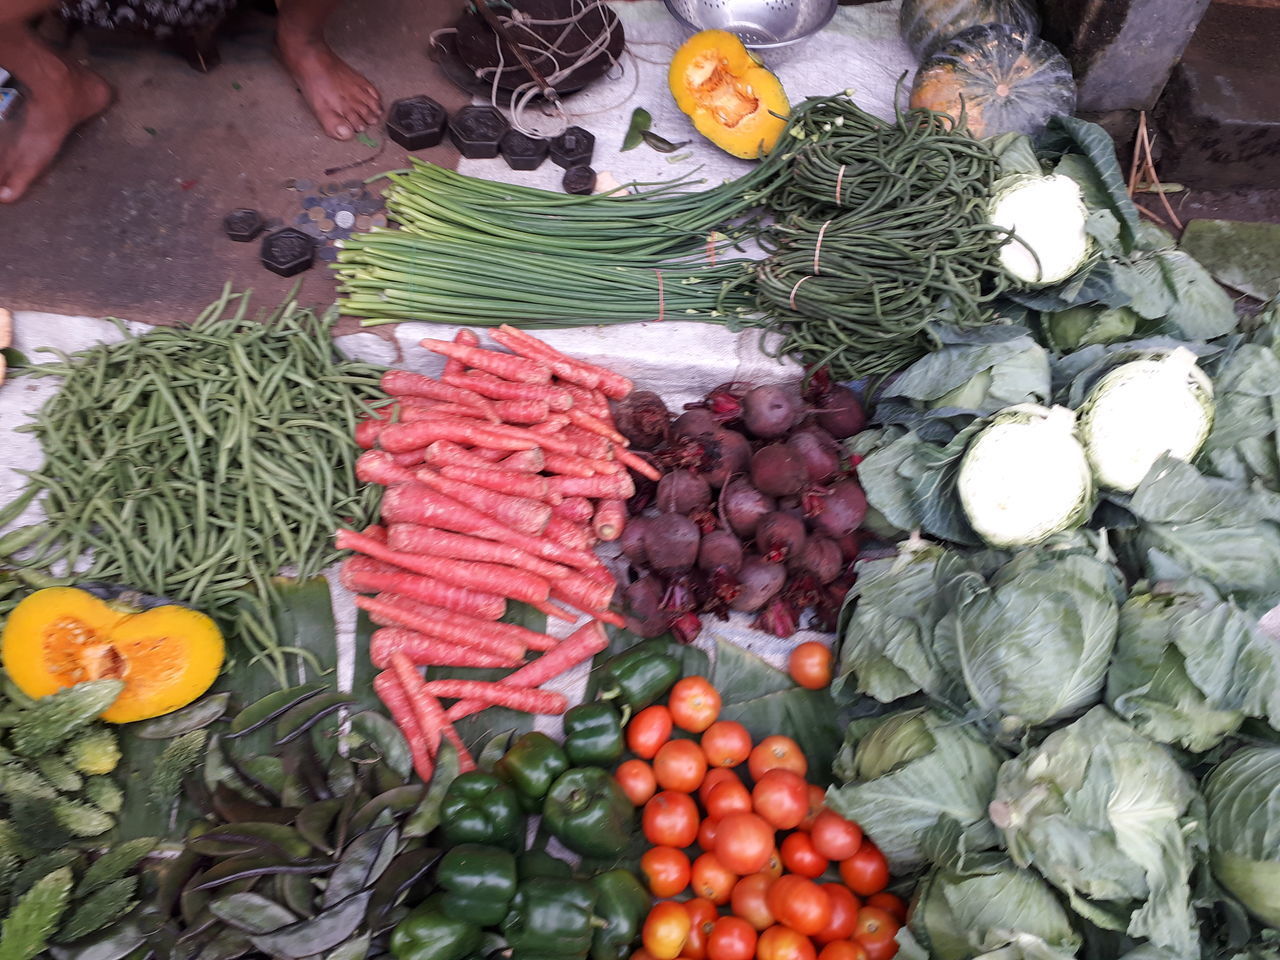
(572, 535)
(522, 514)
(399, 437)
(525, 461)
(364, 575)
(422, 617)
(471, 574)
(617, 486)
(498, 694)
(588, 400)
(377, 466)
(504, 481)
(376, 531)
(550, 425)
(613, 385)
(368, 431)
(557, 397)
(519, 369)
(412, 538)
(633, 461)
(547, 441)
(429, 651)
(404, 383)
(569, 465)
(444, 452)
(574, 509)
(610, 519)
(589, 445)
(564, 367)
(454, 367)
(584, 593)
(596, 425)
(414, 412)
(583, 644)
(523, 411)
(393, 697)
(410, 458)
(433, 723)
(549, 609)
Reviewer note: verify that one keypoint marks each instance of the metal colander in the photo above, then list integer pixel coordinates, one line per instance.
(759, 24)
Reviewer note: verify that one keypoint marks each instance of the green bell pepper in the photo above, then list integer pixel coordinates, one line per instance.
(593, 735)
(639, 677)
(622, 903)
(532, 764)
(430, 933)
(587, 811)
(539, 863)
(479, 883)
(551, 917)
(480, 808)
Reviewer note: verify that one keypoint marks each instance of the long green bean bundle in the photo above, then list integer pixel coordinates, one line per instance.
(200, 462)
(882, 229)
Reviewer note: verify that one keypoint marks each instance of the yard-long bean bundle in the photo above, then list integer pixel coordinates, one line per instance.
(199, 462)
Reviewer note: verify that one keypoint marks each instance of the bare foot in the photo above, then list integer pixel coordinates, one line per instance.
(62, 97)
(343, 101)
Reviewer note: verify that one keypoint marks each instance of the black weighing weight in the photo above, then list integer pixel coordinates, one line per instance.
(573, 148)
(288, 252)
(242, 225)
(523, 152)
(477, 130)
(416, 123)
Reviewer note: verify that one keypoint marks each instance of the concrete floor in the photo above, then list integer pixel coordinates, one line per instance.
(129, 220)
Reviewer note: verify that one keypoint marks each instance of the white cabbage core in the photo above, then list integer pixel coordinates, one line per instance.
(1047, 215)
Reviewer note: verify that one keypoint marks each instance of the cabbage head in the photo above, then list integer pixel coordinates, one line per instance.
(994, 911)
(907, 771)
(1108, 817)
(1243, 797)
(1189, 666)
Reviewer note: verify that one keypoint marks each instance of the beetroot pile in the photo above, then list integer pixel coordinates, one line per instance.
(757, 510)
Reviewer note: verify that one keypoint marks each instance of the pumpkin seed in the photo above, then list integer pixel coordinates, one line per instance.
(301, 718)
(362, 863)
(314, 820)
(323, 932)
(251, 912)
(197, 715)
(271, 707)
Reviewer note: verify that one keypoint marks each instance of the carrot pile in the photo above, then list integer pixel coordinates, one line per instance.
(501, 476)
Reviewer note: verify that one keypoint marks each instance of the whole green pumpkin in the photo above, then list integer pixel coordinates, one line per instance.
(928, 24)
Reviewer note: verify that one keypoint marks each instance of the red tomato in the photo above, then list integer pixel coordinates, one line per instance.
(776, 753)
(715, 776)
(866, 872)
(799, 903)
(876, 930)
(728, 797)
(670, 819)
(712, 879)
(773, 866)
(648, 730)
(844, 914)
(666, 929)
(891, 904)
(748, 900)
(744, 843)
(783, 943)
(732, 938)
(800, 857)
(702, 917)
(666, 870)
(707, 833)
(839, 950)
(694, 704)
(817, 803)
(835, 837)
(637, 781)
(726, 743)
(679, 765)
(782, 798)
(810, 665)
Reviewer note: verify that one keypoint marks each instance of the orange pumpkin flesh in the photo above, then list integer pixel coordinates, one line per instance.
(167, 656)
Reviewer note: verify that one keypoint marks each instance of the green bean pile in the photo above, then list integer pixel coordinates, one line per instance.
(881, 229)
(198, 463)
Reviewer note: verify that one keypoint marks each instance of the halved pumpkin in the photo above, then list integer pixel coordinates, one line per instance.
(167, 655)
(733, 101)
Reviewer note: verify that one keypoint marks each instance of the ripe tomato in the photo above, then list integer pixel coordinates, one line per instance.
(637, 781)
(799, 903)
(702, 917)
(776, 753)
(726, 743)
(783, 943)
(666, 929)
(838, 950)
(866, 872)
(679, 765)
(782, 798)
(712, 879)
(800, 857)
(732, 938)
(744, 843)
(666, 870)
(748, 900)
(670, 819)
(694, 704)
(707, 833)
(715, 776)
(773, 866)
(728, 797)
(835, 837)
(810, 665)
(844, 914)
(876, 931)
(648, 730)
(817, 803)
(891, 904)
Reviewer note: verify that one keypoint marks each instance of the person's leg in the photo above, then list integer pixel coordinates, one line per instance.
(343, 101)
(62, 95)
